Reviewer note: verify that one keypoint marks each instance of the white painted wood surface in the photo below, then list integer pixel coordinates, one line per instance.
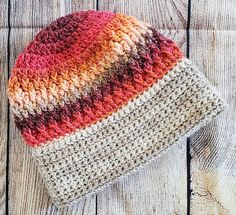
(213, 148)
(3, 117)
(160, 188)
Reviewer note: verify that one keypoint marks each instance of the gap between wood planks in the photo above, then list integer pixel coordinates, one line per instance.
(8, 110)
(189, 191)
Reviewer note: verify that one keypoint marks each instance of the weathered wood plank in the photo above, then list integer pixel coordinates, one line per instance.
(161, 187)
(3, 115)
(213, 148)
(4, 14)
(162, 14)
(40, 13)
(213, 14)
(76, 5)
(27, 194)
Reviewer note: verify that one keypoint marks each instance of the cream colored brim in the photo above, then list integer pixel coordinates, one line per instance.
(80, 163)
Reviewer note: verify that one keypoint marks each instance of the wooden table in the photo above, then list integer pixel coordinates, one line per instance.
(195, 177)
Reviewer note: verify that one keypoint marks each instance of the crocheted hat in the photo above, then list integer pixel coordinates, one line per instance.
(97, 94)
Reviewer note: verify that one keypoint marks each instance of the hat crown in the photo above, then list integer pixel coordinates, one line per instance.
(64, 39)
(82, 68)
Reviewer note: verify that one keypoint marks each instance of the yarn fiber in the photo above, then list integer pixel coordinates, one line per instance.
(98, 94)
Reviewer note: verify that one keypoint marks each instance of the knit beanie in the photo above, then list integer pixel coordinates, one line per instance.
(96, 95)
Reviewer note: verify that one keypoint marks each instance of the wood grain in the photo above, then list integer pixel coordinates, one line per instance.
(4, 14)
(40, 13)
(3, 116)
(213, 148)
(160, 188)
(213, 14)
(162, 14)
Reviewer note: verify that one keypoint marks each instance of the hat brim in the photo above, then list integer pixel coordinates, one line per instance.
(80, 163)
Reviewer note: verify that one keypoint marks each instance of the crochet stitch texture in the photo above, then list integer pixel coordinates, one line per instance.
(97, 94)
